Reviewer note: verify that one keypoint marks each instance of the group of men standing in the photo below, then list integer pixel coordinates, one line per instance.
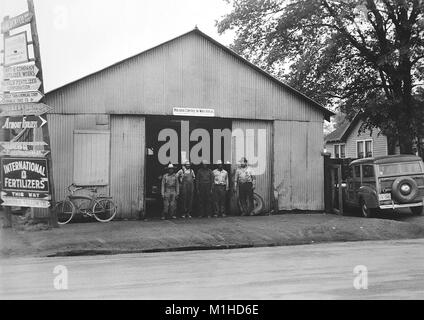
(211, 188)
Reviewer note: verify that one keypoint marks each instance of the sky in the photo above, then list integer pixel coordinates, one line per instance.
(79, 37)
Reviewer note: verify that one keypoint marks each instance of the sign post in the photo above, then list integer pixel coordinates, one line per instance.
(26, 166)
(46, 137)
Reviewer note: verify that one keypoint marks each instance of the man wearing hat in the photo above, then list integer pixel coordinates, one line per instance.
(245, 181)
(220, 187)
(186, 178)
(204, 183)
(170, 190)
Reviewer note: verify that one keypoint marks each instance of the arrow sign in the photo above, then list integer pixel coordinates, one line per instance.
(25, 122)
(20, 71)
(20, 97)
(24, 202)
(23, 109)
(25, 153)
(16, 22)
(21, 145)
(24, 84)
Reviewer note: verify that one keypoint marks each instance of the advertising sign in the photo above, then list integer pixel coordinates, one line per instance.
(22, 109)
(25, 177)
(25, 122)
(15, 49)
(16, 22)
(24, 84)
(21, 71)
(20, 97)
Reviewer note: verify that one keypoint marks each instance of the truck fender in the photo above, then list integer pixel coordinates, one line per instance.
(369, 195)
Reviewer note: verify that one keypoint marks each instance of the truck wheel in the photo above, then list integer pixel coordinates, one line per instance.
(367, 212)
(417, 210)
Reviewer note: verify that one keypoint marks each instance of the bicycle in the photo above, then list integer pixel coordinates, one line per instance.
(101, 207)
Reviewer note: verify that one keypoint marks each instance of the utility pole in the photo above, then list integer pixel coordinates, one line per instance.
(5, 134)
(46, 137)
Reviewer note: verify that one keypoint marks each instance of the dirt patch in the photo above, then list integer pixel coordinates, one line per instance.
(202, 234)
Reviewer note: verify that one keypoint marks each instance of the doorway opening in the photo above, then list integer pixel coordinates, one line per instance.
(176, 151)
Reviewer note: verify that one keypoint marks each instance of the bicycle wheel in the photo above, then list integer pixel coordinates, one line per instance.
(104, 210)
(65, 211)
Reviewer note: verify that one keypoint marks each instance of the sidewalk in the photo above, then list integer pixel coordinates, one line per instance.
(231, 232)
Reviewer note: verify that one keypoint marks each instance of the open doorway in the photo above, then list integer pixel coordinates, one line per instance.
(183, 127)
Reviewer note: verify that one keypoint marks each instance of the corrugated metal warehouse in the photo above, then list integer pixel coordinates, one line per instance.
(104, 128)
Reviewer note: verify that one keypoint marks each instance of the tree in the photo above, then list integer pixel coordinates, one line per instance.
(363, 56)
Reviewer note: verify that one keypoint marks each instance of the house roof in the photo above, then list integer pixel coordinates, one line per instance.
(343, 131)
(327, 113)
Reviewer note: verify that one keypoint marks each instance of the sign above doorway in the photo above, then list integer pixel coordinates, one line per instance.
(193, 112)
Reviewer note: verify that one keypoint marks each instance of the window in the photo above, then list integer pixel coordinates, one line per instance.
(91, 157)
(400, 168)
(339, 151)
(368, 171)
(364, 149)
(368, 149)
(357, 171)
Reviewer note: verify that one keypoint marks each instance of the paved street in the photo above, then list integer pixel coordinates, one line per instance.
(322, 271)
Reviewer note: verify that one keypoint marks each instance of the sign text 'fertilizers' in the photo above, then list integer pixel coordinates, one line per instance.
(20, 97)
(23, 109)
(24, 84)
(16, 22)
(26, 122)
(20, 71)
(20, 175)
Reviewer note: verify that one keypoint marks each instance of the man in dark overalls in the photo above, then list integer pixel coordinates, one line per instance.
(186, 178)
(204, 182)
(245, 181)
(169, 191)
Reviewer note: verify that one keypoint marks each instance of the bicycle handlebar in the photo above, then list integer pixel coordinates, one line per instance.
(76, 188)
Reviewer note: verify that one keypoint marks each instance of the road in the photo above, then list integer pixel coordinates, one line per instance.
(317, 271)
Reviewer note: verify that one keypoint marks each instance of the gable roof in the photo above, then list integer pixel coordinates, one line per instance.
(327, 113)
(343, 131)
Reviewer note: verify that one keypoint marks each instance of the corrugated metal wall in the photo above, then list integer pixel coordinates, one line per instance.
(91, 157)
(298, 165)
(260, 146)
(127, 165)
(191, 72)
(61, 129)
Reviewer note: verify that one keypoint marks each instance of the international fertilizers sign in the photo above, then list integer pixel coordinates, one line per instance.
(25, 180)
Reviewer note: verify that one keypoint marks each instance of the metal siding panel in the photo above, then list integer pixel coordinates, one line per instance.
(91, 158)
(263, 180)
(298, 165)
(190, 71)
(282, 164)
(127, 164)
(61, 128)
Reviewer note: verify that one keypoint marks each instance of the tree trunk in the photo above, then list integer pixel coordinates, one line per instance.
(405, 143)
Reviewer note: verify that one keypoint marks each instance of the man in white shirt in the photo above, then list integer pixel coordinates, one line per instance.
(220, 188)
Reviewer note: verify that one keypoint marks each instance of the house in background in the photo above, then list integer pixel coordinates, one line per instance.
(346, 142)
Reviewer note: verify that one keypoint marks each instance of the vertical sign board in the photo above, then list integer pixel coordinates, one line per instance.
(25, 182)
(15, 49)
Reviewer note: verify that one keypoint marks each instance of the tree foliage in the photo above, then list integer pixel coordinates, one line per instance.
(363, 56)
